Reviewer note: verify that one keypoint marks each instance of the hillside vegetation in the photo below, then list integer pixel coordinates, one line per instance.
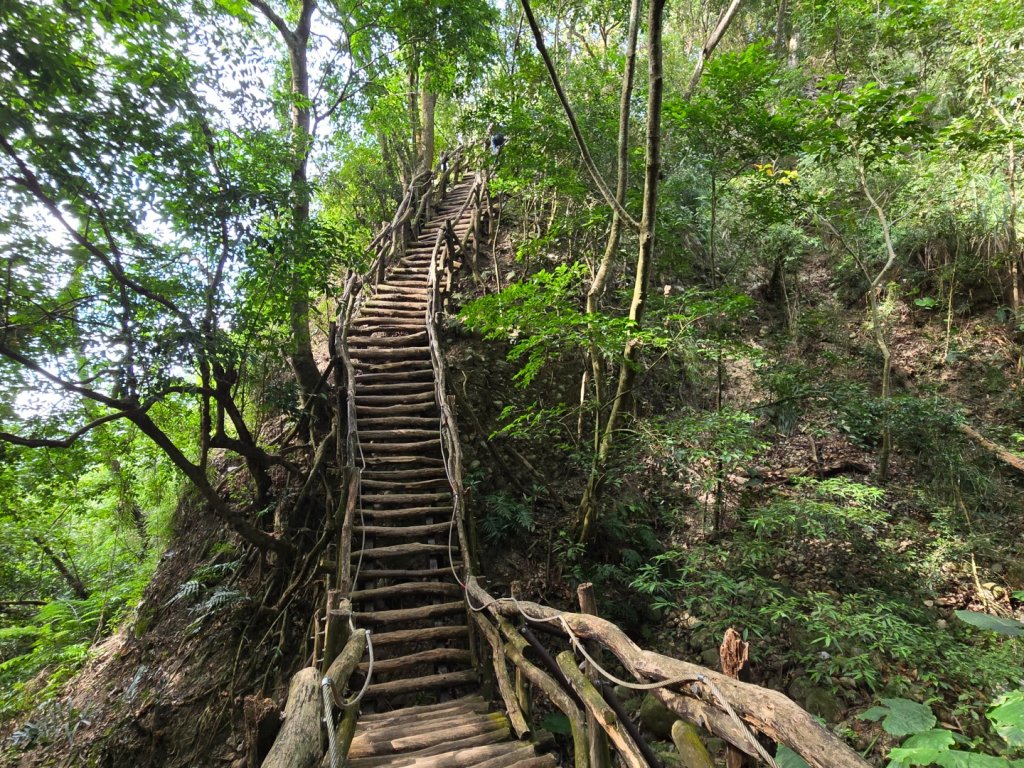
(744, 351)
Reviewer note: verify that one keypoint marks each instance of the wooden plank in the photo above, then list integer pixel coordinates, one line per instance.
(427, 634)
(401, 550)
(455, 656)
(418, 684)
(408, 588)
(408, 614)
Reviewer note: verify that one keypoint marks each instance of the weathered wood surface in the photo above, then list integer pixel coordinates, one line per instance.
(298, 743)
(764, 710)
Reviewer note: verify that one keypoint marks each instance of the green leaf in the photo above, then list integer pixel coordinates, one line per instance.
(787, 758)
(1007, 716)
(901, 717)
(991, 623)
(556, 723)
(922, 748)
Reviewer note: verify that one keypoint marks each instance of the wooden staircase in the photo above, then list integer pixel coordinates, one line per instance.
(404, 551)
(404, 589)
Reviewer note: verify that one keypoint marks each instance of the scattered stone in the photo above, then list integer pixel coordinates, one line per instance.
(941, 624)
(656, 717)
(710, 658)
(929, 603)
(691, 749)
(823, 704)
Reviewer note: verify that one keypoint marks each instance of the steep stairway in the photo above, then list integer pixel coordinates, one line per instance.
(404, 589)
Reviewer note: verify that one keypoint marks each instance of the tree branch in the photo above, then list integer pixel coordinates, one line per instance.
(710, 45)
(588, 161)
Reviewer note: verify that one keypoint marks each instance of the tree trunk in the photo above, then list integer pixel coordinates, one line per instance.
(300, 354)
(644, 263)
(428, 103)
(597, 287)
(67, 572)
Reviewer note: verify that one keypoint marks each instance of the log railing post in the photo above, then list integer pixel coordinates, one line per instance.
(339, 616)
(598, 744)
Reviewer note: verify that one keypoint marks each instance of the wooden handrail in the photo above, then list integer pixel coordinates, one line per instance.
(698, 694)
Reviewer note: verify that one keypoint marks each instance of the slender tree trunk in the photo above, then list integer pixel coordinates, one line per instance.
(597, 287)
(645, 259)
(878, 321)
(300, 347)
(67, 572)
(428, 104)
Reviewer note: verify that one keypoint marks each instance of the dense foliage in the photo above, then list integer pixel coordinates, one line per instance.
(754, 380)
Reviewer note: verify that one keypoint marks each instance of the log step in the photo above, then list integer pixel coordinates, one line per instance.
(417, 684)
(405, 461)
(374, 574)
(408, 588)
(364, 339)
(413, 736)
(394, 410)
(402, 531)
(395, 388)
(451, 656)
(408, 512)
(440, 479)
(404, 474)
(402, 636)
(401, 550)
(400, 615)
(379, 447)
(394, 397)
(473, 703)
(383, 434)
(462, 753)
(396, 433)
(387, 353)
(404, 498)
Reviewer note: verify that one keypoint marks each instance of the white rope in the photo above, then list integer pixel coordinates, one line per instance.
(327, 692)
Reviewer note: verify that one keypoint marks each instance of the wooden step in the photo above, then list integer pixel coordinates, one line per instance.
(374, 574)
(404, 498)
(408, 588)
(372, 398)
(399, 388)
(403, 722)
(402, 615)
(446, 680)
(401, 550)
(397, 366)
(387, 353)
(377, 463)
(396, 310)
(404, 474)
(412, 736)
(402, 531)
(473, 702)
(385, 289)
(439, 482)
(425, 447)
(394, 410)
(402, 636)
(432, 718)
(407, 513)
(381, 322)
(451, 656)
(518, 751)
(364, 340)
(462, 753)
(395, 434)
(395, 377)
